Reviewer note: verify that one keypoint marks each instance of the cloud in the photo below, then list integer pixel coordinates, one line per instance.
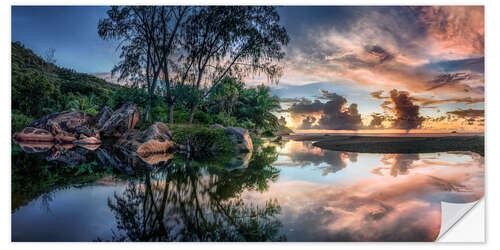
(378, 119)
(455, 28)
(333, 114)
(307, 123)
(437, 51)
(401, 105)
(445, 79)
(470, 115)
(466, 100)
(407, 114)
(380, 53)
(398, 164)
(305, 154)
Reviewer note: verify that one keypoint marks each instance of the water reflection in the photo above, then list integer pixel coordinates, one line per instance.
(292, 191)
(303, 153)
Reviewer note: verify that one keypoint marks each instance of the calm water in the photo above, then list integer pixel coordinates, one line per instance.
(290, 191)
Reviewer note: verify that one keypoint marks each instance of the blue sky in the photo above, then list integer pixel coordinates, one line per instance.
(72, 31)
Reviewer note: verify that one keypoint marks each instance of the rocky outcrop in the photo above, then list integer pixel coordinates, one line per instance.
(241, 139)
(34, 134)
(120, 121)
(80, 128)
(156, 139)
(103, 115)
(239, 161)
(85, 140)
(69, 123)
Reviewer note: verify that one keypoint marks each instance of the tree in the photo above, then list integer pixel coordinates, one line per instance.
(33, 94)
(137, 29)
(171, 23)
(236, 41)
(257, 105)
(49, 55)
(224, 96)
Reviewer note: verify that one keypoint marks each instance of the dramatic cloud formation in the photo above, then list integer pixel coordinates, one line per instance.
(398, 164)
(305, 154)
(435, 53)
(333, 114)
(401, 105)
(470, 115)
(407, 113)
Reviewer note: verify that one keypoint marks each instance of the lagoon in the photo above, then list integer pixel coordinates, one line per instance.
(287, 191)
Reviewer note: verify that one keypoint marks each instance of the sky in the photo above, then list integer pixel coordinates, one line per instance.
(358, 67)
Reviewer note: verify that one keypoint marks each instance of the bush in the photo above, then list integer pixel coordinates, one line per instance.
(200, 117)
(137, 96)
(20, 121)
(225, 120)
(32, 94)
(202, 140)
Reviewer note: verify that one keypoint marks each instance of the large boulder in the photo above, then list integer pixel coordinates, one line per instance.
(156, 139)
(216, 126)
(85, 140)
(241, 139)
(103, 115)
(35, 146)
(120, 121)
(239, 161)
(34, 134)
(69, 123)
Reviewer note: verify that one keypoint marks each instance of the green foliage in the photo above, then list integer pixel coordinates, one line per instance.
(223, 97)
(40, 87)
(225, 120)
(202, 140)
(32, 93)
(123, 95)
(81, 102)
(32, 176)
(257, 105)
(86, 168)
(19, 121)
(200, 117)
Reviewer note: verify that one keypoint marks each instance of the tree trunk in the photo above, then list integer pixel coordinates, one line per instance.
(146, 111)
(191, 114)
(171, 113)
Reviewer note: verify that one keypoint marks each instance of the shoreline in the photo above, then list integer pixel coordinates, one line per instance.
(394, 144)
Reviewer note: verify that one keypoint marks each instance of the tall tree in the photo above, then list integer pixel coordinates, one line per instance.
(235, 41)
(171, 25)
(137, 29)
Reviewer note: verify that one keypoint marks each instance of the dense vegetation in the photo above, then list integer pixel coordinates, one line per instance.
(40, 88)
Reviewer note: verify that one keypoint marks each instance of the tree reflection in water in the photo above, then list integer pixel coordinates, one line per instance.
(189, 201)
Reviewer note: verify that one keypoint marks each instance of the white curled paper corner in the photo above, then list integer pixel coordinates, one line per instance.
(451, 216)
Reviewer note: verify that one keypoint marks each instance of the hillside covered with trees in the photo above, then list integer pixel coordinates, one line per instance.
(40, 88)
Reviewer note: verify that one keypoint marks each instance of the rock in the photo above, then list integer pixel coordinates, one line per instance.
(87, 140)
(31, 147)
(91, 147)
(70, 157)
(34, 134)
(216, 126)
(156, 139)
(123, 119)
(239, 161)
(64, 137)
(241, 138)
(154, 159)
(71, 122)
(103, 115)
